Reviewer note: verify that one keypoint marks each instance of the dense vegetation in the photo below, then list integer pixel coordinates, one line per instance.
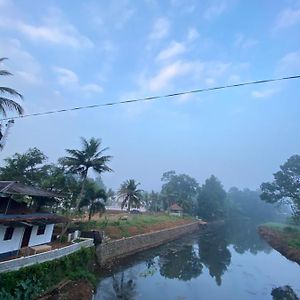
(30, 282)
(68, 177)
(286, 186)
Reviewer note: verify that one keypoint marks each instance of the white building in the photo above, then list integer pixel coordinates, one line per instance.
(21, 227)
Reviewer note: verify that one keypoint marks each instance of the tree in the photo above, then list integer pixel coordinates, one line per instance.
(181, 189)
(286, 186)
(27, 168)
(90, 157)
(94, 197)
(130, 194)
(211, 200)
(153, 201)
(7, 104)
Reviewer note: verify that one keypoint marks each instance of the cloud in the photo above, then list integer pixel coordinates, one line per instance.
(106, 15)
(215, 10)
(28, 70)
(243, 42)
(192, 35)
(66, 76)
(160, 29)
(289, 63)
(287, 18)
(173, 50)
(167, 74)
(69, 79)
(264, 93)
(54, 29)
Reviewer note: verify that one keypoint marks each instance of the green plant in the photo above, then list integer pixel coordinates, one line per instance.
(28, 283)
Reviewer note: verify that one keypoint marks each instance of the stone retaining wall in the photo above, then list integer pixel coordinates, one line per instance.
(107, 252)
(15, 264)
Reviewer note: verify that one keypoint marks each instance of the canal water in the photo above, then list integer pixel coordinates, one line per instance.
(224, 262)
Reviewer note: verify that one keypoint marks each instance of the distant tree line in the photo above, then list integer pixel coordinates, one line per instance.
(209, 201)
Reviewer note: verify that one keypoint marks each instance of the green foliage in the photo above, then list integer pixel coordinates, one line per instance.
(94, 197)
(130, 194)
(247, 204)
(29, 282)
(7, 104)
(83, 274)
(285, 187)
(81, 161)
(212, 200)
(153, 201)
(27, 168)
(181, 189)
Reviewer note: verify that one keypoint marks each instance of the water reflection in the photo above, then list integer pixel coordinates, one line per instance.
(214, 253)
(122, 287)
(183, 264)
(166, 269)
(284, 293)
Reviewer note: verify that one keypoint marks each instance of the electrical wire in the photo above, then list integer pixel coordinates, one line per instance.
(151, 98)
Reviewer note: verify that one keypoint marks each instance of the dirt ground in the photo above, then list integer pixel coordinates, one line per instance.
(279, 242)
(71, 290)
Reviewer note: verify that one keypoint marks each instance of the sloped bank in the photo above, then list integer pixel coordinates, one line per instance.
(106, 253)
(278, 240)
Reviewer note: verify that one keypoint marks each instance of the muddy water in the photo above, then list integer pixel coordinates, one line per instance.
(227, 262)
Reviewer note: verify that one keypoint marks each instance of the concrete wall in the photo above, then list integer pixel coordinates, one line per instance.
(21, 262)
(120, 248)
(15, 242)
(42, 238)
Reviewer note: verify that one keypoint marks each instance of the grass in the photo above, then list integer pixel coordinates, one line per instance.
(282, 227)
(291, 233)
(135, 224)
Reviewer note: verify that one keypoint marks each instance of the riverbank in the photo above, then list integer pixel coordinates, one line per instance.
(108, 252)
(123, 225)
(76, 290)
(283, 238)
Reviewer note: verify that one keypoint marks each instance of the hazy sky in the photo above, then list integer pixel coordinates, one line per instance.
(69, 53)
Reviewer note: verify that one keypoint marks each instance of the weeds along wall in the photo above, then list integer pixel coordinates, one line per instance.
(30, 282)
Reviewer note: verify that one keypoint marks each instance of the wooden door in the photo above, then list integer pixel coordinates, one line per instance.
(26, 236)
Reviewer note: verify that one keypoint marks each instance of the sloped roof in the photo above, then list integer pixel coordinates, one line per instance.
(18, 188)
(31, 219)
(176, 207)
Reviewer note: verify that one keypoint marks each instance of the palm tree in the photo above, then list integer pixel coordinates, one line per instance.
(90, 157)
(94, 197)
(129, 193)
(7, 104)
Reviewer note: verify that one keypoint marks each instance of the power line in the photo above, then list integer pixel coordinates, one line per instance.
(151, 98)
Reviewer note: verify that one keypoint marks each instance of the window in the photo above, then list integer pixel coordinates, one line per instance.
(8, 233)
(41, 229)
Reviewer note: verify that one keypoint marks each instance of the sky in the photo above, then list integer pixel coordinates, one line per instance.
(75, 53)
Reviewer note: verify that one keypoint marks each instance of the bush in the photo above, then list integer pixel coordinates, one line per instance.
(30, 282)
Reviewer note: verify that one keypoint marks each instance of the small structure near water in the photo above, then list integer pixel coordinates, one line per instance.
(176, 210)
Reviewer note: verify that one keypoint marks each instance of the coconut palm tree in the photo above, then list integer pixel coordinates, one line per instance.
(90, 157)
(7, 104)
(130, 194)
(95, 198)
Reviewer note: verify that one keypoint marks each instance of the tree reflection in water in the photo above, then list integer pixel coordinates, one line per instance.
(183, 264)
(214, 254)
(284, 293)
(185, 259)
(122, 288)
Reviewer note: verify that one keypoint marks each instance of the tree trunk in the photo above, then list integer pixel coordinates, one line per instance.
(90, 211)
(128, 206)
(84, 177)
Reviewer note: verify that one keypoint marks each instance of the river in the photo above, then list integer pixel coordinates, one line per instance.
(224, 262)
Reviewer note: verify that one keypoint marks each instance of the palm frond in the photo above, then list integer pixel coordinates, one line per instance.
(11, 105)
(5, 73)
(3, 58)
(7, 90)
